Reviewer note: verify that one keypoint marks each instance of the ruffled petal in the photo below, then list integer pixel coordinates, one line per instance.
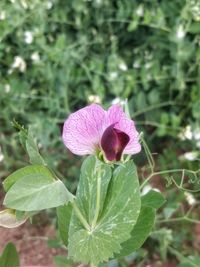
(83, 129)
(115, 115)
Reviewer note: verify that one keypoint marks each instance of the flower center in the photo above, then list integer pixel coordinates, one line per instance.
(113, 142)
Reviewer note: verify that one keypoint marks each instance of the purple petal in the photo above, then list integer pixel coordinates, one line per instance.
(113, 142)
(83, 129)
(115, 115)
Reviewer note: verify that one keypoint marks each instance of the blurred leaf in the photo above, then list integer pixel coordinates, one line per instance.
(63, 261)
(9, 257)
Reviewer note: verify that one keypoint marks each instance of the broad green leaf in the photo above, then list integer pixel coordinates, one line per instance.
(9, 258)
(8, 219)
(64, 216)
(27, 172)
(153, 199)
(117, 219)
(35, 188)
(91, 169)
(63, 261)
(140, 231)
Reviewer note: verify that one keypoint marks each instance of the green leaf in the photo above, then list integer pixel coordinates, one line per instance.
(9, 258)
(33, 152)
(117, 218)
(63, 261)
(191, 261)
(29, 144)
(64, 216)
(140, 231)
(153, 199)
(35, 188)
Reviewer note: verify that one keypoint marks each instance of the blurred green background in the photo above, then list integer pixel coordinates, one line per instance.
(57, 56)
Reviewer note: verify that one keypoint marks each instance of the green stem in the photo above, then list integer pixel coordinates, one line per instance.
(98, 198)
(168, 171)
(80, 216)
(183, 218)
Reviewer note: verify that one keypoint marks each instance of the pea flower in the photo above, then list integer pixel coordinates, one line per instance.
(92, 130)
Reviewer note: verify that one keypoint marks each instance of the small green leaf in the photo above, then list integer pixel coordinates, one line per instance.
(117, 218)
(9, 258)
(63, 261)
(28, 143)
(153, 199)
(35, 188)
(64, 216)
(140, 231)
(32, 150)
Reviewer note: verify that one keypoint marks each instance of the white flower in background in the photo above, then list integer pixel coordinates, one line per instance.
(94, 99)
(113, 75)
(28, 37)
(136, 65)
(49, 5)
(7, 88)
(148, 65)
(24, 4)
(190, 134)
(118, 100)
(186, 133)
(122, 66)
(190, 198)
(19, 63)
(192, 155)
(198, 144)
(140, 11)
(1, 155)
(2, 15)
(35, 57)
(180, 33)
(12, 1)
(196, 134)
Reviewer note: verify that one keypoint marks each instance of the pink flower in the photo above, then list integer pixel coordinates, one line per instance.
(92, 129)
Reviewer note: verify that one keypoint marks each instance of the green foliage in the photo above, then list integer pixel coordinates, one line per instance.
(150, 202)
(35, 188)
(64, 216)
(62, 261)
(153, 199)
(145, 51)
(114, 223)
(9, 257)
(140, 231)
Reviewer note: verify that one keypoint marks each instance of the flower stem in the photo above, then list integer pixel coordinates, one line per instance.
(98, 198)
(80, 216)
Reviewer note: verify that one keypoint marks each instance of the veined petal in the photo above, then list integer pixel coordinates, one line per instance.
(82, 130)
(115, 115)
